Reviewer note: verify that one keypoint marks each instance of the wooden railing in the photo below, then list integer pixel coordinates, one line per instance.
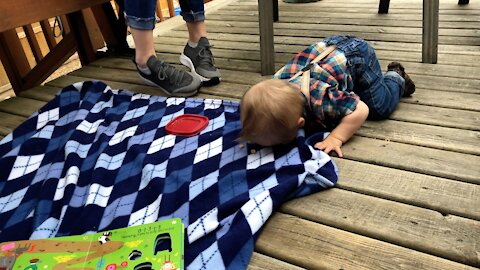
(76, 36)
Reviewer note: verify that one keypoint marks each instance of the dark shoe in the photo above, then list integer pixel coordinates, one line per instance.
(200, 61)
(409, 84)
(172, 81)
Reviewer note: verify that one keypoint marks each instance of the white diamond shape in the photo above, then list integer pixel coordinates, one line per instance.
(24, 165)
(45, 117)
(212, 103)
(140, 96)
(12, 201)
(71, 177)
(122, 135)
(88, 127)
(264, 156)
(174, 101)
(257, 210)
(99, 106)
(161, 143)
(202, 226)
(99, 195)
(147, 214)
(208, 150)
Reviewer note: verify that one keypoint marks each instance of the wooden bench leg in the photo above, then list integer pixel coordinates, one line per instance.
(78, 27)
(430, 31)
(13, 59)
(275, 10)
(114, 30)
(267, 52)
(463, 2)
(383, 6)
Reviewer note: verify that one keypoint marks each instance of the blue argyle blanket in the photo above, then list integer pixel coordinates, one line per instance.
(95, 159)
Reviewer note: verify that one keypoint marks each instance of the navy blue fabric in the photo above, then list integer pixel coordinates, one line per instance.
(95, 159)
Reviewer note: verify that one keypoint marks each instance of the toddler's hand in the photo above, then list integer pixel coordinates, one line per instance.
(330, 143)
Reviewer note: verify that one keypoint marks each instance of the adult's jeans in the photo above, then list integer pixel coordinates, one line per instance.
(140, 14)
(381, 92)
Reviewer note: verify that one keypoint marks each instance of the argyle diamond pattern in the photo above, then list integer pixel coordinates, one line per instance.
(95, 159)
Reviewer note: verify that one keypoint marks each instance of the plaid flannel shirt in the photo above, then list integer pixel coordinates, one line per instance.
(331, 86)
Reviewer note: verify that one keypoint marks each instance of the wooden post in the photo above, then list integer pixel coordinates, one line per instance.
(33, 42)
(171, 8)
(13, 58)
(113, 29)
(383, 6)
(85, 49)
(430, 31)
(267, 50)
(159, 12)
(47, 32)
(275, 10)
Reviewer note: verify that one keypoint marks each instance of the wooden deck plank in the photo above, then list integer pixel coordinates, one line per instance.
(137, 88)
(440, 69)
(431, 115)
(443, 195)
(387, 50)
(463, 101)
(42, 93)
(451, 139)
(453, 57)
(452, 165)
(454, 238)
(21, 106)
(316, 246)
(454, 80)
(262, 262)
(366, 8)
(9, 122)
(315, 25)
(230, 73)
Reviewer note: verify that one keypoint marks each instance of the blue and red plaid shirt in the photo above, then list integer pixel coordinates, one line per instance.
(331, 86)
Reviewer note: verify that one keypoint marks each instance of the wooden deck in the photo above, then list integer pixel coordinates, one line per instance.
(409, 192)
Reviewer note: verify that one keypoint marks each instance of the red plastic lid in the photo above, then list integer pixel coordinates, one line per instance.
(187, 125)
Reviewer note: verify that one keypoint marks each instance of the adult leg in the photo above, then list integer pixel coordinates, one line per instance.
(193, 13)
(140, 17)
(197, 54)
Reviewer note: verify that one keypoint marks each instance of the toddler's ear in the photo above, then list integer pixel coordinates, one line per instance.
(301, 122)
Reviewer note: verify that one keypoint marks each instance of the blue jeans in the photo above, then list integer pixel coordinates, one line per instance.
(140, 14)
(381, 92)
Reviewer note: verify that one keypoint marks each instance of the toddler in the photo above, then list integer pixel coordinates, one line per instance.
(345, 87)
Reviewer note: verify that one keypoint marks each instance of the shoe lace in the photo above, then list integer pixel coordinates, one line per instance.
(206, 56)
(164, 71)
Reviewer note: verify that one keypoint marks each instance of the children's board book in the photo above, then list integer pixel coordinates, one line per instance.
(157, 245)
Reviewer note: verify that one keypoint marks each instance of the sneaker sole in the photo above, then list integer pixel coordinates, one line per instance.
(147, 81)
(188, 63)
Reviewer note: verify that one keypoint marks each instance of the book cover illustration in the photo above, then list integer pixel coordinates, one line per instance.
(157, 245)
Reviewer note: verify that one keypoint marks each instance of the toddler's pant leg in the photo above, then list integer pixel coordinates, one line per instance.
(140, 14)
(192, 10)
(380, 92)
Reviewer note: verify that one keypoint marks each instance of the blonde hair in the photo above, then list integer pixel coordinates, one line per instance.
(269, 112)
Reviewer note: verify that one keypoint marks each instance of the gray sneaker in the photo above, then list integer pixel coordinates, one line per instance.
(200, 61)
(172, 81)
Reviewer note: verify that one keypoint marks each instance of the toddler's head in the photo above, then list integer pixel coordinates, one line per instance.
(271, 113)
